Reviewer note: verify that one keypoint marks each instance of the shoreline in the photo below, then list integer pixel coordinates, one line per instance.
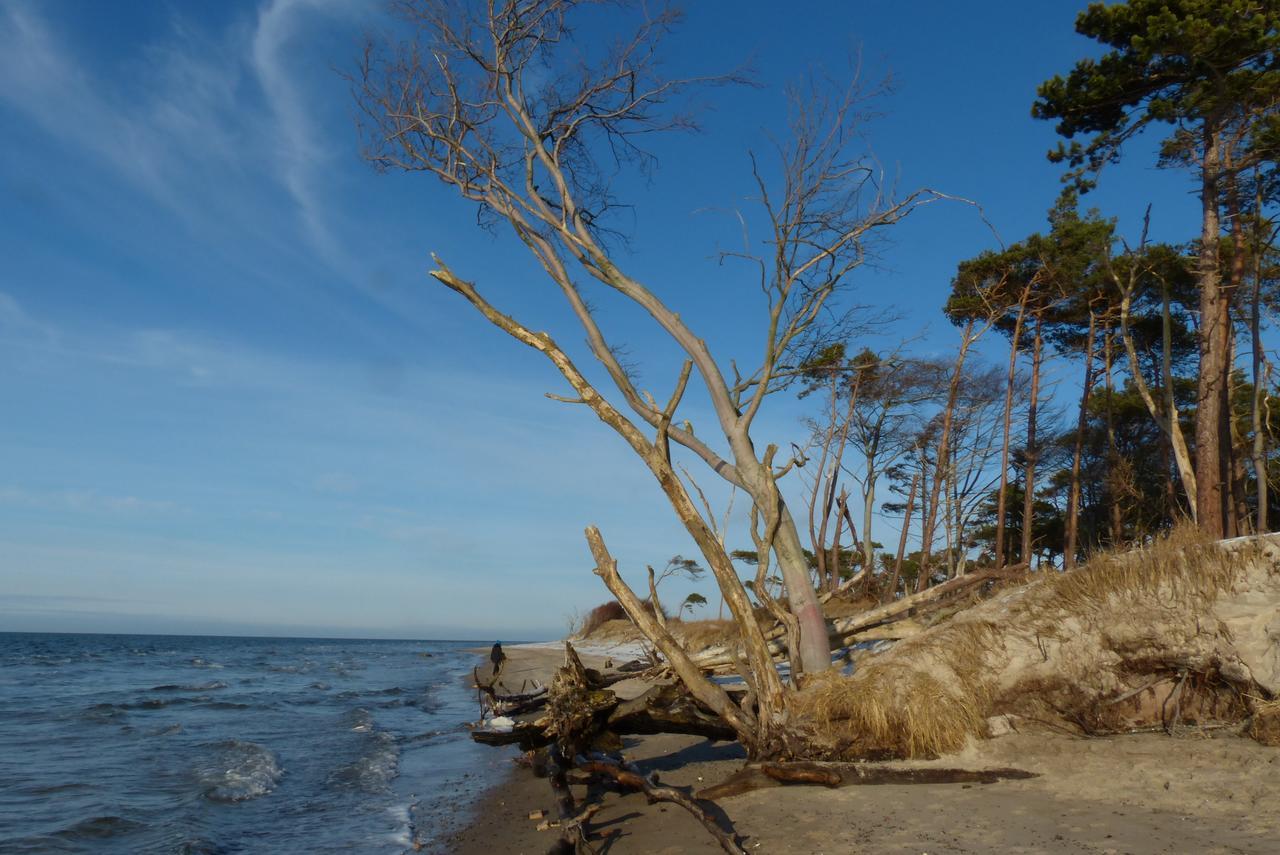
(1141, 793)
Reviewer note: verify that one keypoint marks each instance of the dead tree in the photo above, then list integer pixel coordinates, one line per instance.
(504, 107)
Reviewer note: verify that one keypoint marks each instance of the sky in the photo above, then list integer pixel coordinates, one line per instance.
(232, 401)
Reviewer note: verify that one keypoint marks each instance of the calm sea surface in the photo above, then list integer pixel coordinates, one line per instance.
(113, 743)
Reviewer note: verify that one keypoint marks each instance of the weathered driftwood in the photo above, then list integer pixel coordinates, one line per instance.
(756, 776)
(627, 777)
(577, 718)
(662, 709)
(802, 773)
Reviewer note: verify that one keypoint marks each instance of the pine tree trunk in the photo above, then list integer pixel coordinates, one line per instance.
(1029, 476)
(1259, 377)
(1002, 497)
(1073, 503)
(902, 538)
(1115, 512)
(1212, 464)
(944, 445)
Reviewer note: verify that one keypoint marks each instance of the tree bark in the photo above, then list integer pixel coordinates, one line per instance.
(1073, 502)
(1029, 472)
(944, 444)
(892, 590)
(1212, 465)
(1259, 377)
(1115, 512)
(1002, 497)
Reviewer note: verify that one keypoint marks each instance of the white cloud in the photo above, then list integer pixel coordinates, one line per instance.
(299, 155)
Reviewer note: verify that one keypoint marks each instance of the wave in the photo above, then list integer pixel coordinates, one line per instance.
(98, 828)
(194, 687)
(374, 769)
(238, 771)
(104, 713)
(161, 703)
(226, 705)
(55, 789)
(359, 720)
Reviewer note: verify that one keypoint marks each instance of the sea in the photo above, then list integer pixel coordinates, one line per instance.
(187, 744)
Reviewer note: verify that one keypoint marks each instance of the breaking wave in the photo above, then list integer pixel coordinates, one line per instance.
(374, 769)
(238, 771)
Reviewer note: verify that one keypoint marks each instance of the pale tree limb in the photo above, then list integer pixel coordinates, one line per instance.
(770, 698)
(699, 686)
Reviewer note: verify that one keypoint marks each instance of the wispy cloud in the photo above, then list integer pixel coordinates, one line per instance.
(299, 154)
(16, 324)
(80, 500)
(187, 131)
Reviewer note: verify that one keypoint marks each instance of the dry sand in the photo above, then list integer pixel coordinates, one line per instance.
(1146, 793)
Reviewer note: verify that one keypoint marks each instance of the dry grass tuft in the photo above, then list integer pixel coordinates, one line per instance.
(1183, 567)
(931, 693)
(919, 705)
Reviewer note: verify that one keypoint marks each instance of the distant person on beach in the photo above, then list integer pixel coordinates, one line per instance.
(497, 657)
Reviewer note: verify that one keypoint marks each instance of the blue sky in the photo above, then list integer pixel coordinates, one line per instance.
(232, 400)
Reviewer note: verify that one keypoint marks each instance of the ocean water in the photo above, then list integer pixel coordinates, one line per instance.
(140, 744)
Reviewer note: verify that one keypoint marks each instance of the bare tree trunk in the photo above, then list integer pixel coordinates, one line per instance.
(902, 538)
(1167, 418)
(1238, 513)
(1212, 471)
(833, 580)
(1029, 473)
(868, 509)
(814, 652)
(1073, 502)
(1113, 452)
(922, 575)
(1175, 434)
(944, 442)
(1002, 497)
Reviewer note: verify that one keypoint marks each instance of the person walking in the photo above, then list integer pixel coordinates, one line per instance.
(497, 657)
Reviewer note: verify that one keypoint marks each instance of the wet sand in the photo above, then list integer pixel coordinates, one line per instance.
(1140, 794)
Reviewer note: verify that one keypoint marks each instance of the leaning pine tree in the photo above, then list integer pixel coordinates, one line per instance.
(506, 107)
(1210, 70)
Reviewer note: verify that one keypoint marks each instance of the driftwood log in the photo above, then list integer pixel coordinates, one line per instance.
(756, 776)
(662, 709)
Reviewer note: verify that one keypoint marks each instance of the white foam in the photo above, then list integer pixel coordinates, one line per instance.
(239, 771)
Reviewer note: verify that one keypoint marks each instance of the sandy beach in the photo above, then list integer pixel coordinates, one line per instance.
(1145, 793)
